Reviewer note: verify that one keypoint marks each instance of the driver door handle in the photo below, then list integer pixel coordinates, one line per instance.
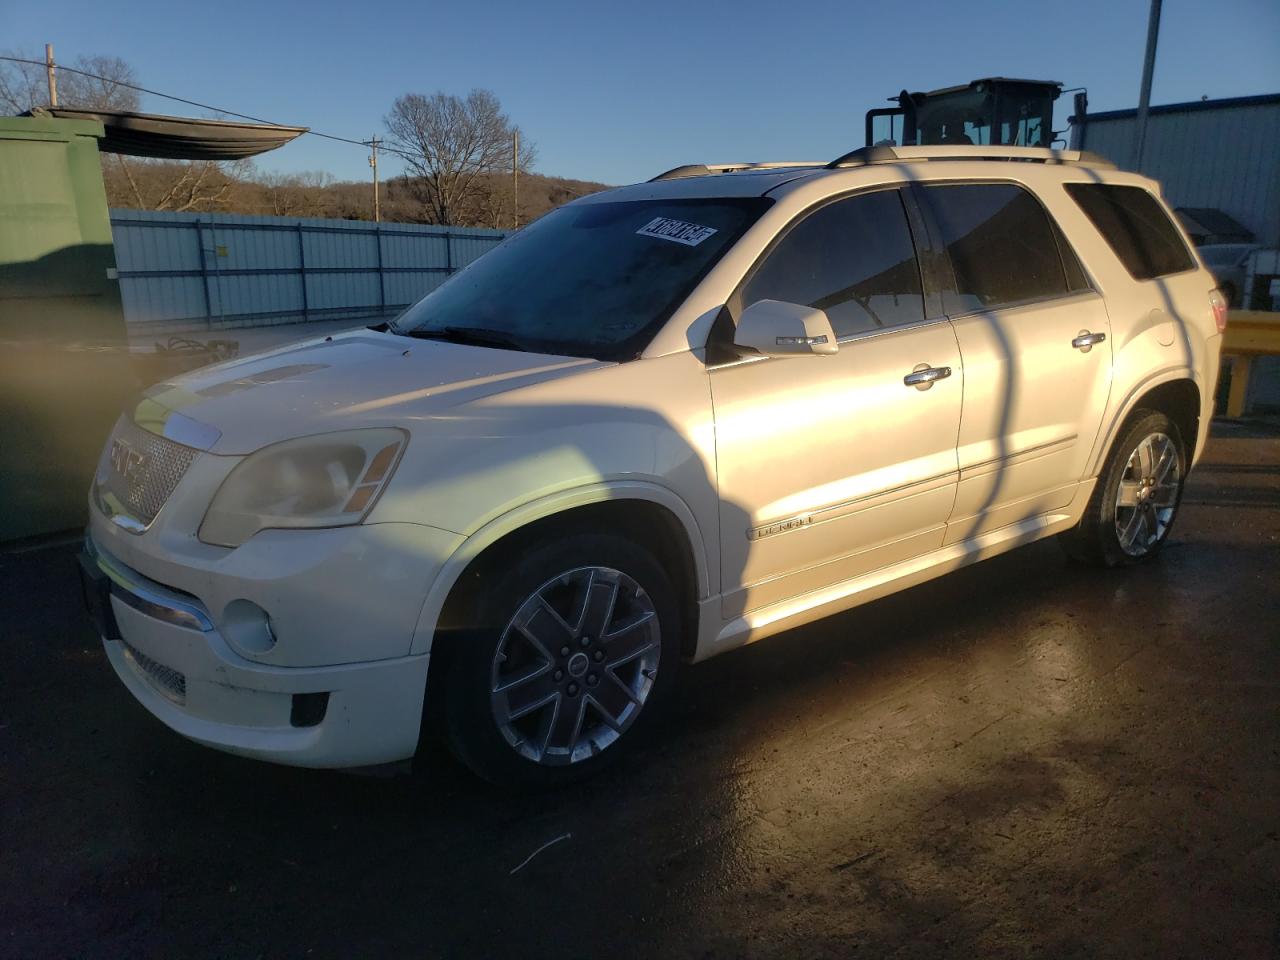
(1086, 340)
(922, 377)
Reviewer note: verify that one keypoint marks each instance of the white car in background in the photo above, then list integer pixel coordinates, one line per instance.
(659, 423)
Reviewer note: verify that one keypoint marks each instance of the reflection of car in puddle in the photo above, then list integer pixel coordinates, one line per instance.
(659, 423)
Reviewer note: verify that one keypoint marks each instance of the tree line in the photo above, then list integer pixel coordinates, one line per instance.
(458, 154)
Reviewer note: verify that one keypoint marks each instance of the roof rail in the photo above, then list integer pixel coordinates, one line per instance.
(882, 153)
(887, 154)
(863, 155)
(703, 169)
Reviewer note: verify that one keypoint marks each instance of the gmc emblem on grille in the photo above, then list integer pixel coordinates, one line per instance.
(127, 461)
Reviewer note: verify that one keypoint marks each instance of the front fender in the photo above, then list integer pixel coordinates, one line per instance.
(544, 507)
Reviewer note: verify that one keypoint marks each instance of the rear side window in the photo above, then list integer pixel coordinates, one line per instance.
(853, 258)
(1136, 227)
(1003, 247)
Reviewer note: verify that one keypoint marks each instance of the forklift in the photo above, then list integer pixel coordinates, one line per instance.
(993, 111)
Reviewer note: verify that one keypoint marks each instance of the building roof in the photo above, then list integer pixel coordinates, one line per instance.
(1191, 106)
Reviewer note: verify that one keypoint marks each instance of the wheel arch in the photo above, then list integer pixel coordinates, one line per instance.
(651, 514)
(1175, 394)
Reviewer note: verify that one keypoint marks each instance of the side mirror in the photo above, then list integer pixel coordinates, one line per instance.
(776, 329)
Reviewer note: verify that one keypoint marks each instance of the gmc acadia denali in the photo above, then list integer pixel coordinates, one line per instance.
(659, 423)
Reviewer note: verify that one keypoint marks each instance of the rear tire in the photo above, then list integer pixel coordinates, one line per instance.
(1136, 499)
(573, 648)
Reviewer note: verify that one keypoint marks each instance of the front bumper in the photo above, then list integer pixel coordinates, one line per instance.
(166, 648)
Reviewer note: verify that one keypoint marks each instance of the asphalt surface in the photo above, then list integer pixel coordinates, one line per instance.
(1023, 758)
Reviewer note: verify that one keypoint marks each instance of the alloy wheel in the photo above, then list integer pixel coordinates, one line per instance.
(575, 665)
(1148, 494)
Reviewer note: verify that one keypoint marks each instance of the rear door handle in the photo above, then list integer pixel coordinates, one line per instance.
(922, 377)
(1085, 340)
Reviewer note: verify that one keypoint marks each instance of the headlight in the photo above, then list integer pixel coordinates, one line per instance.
(327, 480)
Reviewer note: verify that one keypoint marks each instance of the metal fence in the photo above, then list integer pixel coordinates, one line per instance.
(181, 271)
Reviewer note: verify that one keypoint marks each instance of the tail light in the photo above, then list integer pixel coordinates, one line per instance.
(1218, 303)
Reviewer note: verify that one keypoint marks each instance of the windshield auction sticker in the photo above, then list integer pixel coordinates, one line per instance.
(690, 234)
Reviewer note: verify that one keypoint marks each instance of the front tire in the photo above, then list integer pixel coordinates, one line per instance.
(575, 643)
(1136, 500)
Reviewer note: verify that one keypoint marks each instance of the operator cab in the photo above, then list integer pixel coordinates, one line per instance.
(994, 111)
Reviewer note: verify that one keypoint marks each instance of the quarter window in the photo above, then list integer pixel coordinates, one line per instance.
(854, 259)
(1135, 227)
(1003, 247)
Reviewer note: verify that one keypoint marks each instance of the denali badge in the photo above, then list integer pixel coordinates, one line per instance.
(781, 526)
(127, 461)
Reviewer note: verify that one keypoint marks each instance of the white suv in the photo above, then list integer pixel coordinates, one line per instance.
(657, 424)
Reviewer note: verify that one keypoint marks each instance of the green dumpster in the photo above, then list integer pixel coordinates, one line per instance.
(65, 373)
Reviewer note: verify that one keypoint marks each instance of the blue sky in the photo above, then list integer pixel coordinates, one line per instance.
(618, 92)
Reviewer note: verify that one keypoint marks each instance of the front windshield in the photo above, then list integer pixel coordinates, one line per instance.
(593, 280)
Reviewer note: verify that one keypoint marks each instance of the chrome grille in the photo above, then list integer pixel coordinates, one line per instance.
(170, 682)
(139, 470)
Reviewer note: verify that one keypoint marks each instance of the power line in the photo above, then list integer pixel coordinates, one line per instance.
(374, 142)
(193, 103)
(412, 158)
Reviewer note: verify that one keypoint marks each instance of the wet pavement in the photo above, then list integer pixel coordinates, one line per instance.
(1023, 758)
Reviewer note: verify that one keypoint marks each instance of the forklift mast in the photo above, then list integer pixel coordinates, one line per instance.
(994, 111)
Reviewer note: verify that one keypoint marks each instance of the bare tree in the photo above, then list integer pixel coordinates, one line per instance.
(108, 88)
(296, 194)
(199, 186)
(494, 203)
(202, 185)
(23, 85)
(449, 144)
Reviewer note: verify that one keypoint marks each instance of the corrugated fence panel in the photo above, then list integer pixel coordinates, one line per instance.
(466, 249)
(161, 299)
(403, 250)
(249, 296)
(341, 248)
(184, 271)
(405, 288)
(336, 291)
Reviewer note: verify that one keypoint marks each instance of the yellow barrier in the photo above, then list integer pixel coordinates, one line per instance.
(1250, 333)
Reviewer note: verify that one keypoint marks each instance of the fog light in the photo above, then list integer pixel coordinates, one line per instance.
(308, 709)
(247, 627)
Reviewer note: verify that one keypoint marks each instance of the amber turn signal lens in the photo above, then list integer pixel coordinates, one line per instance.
(381, 463)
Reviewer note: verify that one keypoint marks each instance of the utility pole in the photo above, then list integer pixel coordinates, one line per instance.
(515, 179)
(1144, 97)
(373, 162)
(50, 70)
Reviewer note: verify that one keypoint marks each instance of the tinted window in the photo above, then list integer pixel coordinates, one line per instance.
(854, 259)
(591, 280)
(1077, 282)
(1002, 245)
(1136, 227)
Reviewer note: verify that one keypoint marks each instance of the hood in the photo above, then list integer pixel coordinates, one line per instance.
(337, 383)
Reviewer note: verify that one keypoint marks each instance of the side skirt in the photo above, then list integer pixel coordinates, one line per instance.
(795, 612)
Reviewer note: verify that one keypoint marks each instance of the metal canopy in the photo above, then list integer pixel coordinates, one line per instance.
(179, 138)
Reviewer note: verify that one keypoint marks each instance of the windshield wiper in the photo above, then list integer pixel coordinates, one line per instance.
(476, 336)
